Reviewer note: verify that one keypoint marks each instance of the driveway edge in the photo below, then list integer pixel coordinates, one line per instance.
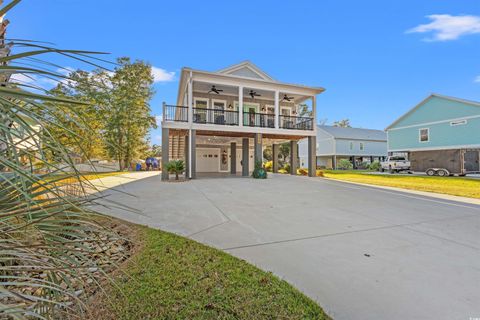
(421, 193)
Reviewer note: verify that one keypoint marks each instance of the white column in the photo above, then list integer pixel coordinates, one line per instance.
(190, 100)
(314, 112)
(277, 110)
(240, 106)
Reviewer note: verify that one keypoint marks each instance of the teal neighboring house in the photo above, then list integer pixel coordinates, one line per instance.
(437, 123)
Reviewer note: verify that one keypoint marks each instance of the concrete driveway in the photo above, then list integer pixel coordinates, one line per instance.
(362, 253)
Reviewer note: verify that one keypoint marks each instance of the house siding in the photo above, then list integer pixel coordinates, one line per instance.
(370, 148)
(436, 114)
(438, 109)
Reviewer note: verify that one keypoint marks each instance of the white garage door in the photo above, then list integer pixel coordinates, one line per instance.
(208, 160)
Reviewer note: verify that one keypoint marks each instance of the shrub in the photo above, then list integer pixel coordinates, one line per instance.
(259, 172)
(286, 167)
(344, 164)
(302, 172)
(375, 166)
(268, 165)
(283, 171)
(176, 166)
(319, 173)
(363, 165)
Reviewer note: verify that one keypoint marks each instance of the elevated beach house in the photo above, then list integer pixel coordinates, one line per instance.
(357, 145)
(222, 120)
(440, 131)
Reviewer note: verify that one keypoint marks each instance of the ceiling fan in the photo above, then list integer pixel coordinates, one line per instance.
(254, 94)
(287, 98)
(217, 91)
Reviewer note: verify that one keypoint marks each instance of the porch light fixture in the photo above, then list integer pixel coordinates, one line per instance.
(230, 106)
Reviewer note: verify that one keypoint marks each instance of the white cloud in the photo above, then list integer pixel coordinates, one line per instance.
(446, 27)
(158, 119)
(23, 78)
(162, 75)
(477, 79)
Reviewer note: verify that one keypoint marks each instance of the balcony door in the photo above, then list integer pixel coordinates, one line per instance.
(250, 110)
(287, 122)
(219, 111)
(200, 111)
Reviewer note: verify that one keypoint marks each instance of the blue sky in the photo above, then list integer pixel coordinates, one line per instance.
(376, 59)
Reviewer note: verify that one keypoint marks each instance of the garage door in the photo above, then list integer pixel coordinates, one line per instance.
(208, 160)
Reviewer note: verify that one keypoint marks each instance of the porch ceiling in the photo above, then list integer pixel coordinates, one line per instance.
(205, 87)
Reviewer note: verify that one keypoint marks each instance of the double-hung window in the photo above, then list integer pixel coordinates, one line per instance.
(424, 135)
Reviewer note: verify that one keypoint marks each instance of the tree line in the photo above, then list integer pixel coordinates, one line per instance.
(115, 121)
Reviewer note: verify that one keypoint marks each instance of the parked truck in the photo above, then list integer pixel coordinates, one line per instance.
(395, 164)
(445, 162)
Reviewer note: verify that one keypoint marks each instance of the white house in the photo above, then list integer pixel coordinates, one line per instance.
(222, 119)
(354, 144)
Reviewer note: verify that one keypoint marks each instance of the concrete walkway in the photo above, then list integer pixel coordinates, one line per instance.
(361, 252)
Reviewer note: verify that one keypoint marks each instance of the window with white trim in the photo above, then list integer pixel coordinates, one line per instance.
(424, 135)
(361, 146)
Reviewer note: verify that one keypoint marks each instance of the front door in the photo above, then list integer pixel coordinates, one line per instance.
(471, 159)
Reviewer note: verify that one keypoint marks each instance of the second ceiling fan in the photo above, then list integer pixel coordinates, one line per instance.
(254, 94)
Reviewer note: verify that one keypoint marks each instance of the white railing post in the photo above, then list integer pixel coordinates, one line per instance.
(190, 100)
(240, 106)
(164, 107)
(277, 110)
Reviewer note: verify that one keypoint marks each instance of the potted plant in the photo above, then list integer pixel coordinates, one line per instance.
(176, 166)
(259, 172)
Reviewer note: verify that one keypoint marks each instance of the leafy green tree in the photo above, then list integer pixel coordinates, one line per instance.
(268, 153)
(87, 122)
(344, 123)
(117, 111)
(304, 111)
(284, 151)
(129, 116)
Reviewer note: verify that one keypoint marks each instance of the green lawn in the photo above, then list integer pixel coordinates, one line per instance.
(172, 277)
(457, 186)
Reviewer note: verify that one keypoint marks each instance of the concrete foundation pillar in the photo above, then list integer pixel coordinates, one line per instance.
(293, 157)
(258, 150)
(245, 157)
(354, 163)
(334, 162)
(187, 156)
(312, 156)
(275, 151)
(233, 158)
(165, 152)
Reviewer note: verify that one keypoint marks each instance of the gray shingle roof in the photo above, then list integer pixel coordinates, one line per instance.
(354, 133)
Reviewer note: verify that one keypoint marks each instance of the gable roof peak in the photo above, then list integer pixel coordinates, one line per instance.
(432, 95)
(246, 69)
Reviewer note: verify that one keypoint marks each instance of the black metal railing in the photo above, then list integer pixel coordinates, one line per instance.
(296, 123)
(175, 113)
(215, 116)
(263, 120)
(230, 118)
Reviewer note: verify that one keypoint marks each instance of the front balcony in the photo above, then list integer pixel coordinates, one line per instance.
(222, 117)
